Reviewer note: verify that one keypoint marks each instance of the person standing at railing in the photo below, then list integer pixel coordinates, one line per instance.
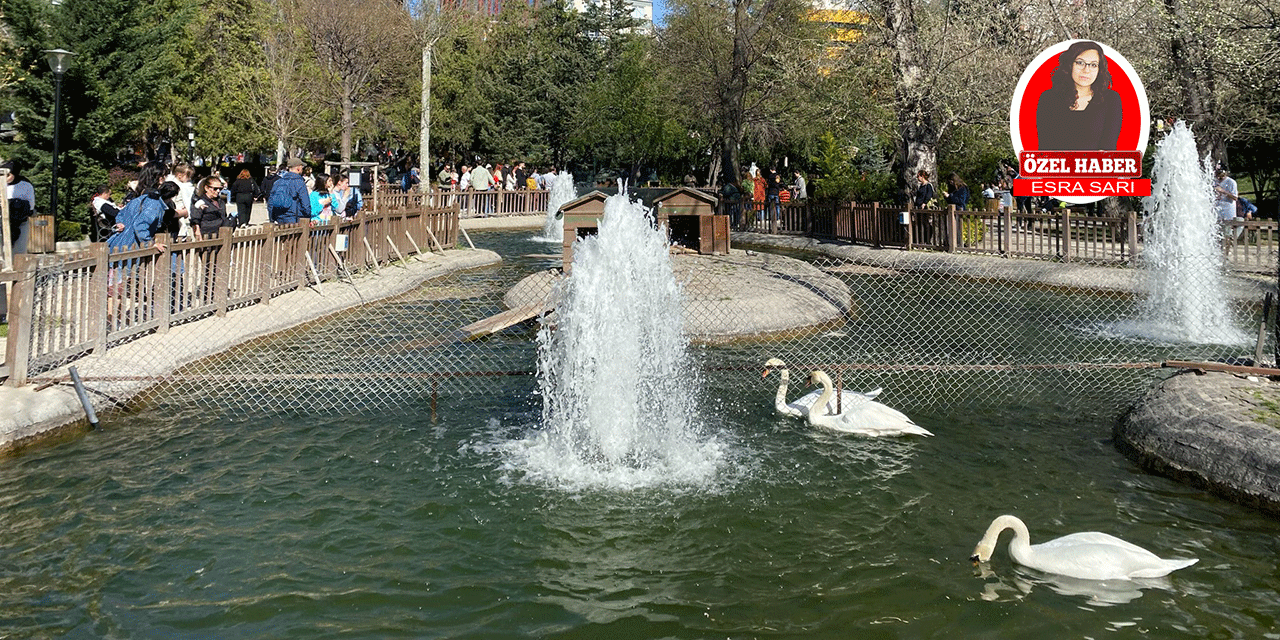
(22, 204)
(758, 190)
(1225, 195)
(208, 214)
(346, 202)
(444, 179)
(481, 182)
(321, 201)
(731, 198)
(959, 193)
(800, 187)
(289, 201)
(772, 187)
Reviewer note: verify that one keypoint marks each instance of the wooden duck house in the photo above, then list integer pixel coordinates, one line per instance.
(581, 219)
(691, 220)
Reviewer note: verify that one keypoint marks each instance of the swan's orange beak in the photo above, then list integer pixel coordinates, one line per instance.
(765, 374)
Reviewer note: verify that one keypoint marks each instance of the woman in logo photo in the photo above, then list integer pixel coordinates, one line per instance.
(1080, 111)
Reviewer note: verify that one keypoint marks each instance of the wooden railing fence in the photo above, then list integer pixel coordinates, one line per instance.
(471, 203)
(1065, 235)
(67, 305)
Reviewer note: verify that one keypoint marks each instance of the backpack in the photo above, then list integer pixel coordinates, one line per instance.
(280, 198)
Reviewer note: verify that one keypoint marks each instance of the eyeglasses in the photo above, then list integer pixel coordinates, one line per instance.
(1087, 66)
(215, 187)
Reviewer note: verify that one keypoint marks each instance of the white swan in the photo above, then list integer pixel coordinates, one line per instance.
(866, 417)
(1088, 555)
(799, 408)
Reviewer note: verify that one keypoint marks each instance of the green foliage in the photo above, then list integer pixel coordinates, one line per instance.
(972, 230)
(835, 179)
(69, 231)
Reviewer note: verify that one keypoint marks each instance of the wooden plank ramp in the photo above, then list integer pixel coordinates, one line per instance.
(498, 322)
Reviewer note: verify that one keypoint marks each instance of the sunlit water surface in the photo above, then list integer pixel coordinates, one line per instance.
(181, 521)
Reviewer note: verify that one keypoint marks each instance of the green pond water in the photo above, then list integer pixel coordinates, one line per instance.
(197, 518)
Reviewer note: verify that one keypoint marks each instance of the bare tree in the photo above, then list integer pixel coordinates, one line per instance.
(277, 93)
(356, 44)
(730, 59)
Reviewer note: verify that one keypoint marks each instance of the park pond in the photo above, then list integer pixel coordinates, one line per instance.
(209, 514)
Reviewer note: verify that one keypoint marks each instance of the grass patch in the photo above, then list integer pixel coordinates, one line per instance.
(1268, 411)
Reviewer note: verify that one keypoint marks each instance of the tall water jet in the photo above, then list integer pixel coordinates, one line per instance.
(562, 191)
(1182, 251)
(617, 382)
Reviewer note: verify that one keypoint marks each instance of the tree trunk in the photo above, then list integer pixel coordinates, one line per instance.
(917, 129)
(735, 93)
(424, 136)
(1193, 71)
(279, 151)
(348, 123)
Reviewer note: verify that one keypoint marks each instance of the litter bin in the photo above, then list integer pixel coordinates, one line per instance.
(42, 238)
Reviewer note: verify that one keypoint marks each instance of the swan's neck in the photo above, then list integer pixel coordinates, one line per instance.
(820, 404)
(781, 399)
(1020, 546)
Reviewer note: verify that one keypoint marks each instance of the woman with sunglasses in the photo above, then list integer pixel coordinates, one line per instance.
(207, 212)
(1080, 111)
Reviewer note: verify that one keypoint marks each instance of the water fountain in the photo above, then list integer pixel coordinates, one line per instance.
(562, 191)
(1187, 297)
(616, 379)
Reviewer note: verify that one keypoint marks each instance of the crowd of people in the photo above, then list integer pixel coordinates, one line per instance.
(760, 193)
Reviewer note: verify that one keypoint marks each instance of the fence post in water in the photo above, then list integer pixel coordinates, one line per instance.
(22, 299)
(84, 398)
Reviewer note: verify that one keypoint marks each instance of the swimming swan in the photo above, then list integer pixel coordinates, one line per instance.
(799, 408)
(865, 418)
(1089, 555)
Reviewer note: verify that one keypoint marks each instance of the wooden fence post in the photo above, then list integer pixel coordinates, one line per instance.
(99, 305)
(162, 266)
(1066, 234)
(1006, 232)
(1133, 237)
(953, 229)
(222, 272)
(22, 301)
(269, 245)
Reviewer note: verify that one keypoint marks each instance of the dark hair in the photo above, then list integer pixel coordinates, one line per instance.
(923, 173)
(150, 176)
(166, 190)
(322, 183)
(1063, 89)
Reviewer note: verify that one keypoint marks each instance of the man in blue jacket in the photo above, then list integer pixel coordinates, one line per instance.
(289, 201)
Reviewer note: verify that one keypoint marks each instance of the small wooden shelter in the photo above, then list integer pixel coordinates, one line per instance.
(581, 219)
(692, 222)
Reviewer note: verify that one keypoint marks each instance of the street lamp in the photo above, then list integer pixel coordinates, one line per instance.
(59, 62)
(191, 138)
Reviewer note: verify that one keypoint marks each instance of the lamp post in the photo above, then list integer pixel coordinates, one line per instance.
(191, 138)
(59, 62)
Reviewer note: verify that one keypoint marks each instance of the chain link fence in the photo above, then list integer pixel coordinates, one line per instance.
(934, 330)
